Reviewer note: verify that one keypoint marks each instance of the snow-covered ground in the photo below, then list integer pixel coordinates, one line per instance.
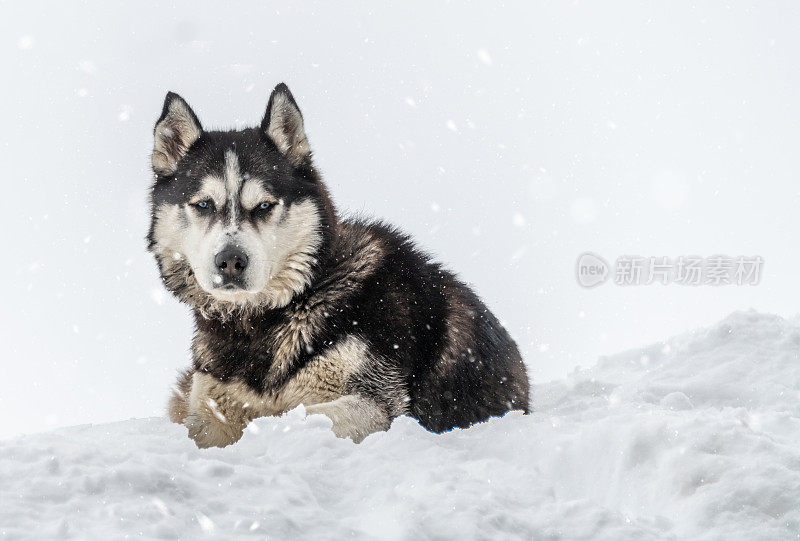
(694, 437)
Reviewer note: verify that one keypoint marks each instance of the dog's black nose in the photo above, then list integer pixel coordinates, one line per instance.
(231, 262)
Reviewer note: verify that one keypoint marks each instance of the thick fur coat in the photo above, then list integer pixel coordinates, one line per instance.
(293, 305)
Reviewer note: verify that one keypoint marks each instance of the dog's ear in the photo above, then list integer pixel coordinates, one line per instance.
(176, 130)
(283, 124)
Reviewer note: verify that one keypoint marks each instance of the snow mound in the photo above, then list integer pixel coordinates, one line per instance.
(695, 437)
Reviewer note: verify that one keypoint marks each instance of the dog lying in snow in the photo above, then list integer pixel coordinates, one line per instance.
(293, 305)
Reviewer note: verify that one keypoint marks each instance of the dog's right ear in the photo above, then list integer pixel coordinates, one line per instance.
(176, 130)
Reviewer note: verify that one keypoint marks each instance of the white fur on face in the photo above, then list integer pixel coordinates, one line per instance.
(211, 188)
(281, 253)
(280, 249)
(253, 194)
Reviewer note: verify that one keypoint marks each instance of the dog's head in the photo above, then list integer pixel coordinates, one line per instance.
(238, 217)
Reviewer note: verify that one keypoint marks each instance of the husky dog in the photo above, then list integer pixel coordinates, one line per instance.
(293, 305)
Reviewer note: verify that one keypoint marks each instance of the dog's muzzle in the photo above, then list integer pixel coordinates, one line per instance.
(231, 263)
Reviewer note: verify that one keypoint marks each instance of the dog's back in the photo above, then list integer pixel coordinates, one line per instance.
(461, 365)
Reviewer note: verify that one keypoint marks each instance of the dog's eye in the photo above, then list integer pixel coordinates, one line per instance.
(204, 205)
(263, 208)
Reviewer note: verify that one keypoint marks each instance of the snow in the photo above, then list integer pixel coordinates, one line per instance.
(695, 437)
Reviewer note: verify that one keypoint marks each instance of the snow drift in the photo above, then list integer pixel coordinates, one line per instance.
(695, 437)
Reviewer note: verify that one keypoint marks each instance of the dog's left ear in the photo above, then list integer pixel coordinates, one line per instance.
(283, 124)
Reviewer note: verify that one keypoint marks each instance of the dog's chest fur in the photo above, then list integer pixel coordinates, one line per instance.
(261, 351)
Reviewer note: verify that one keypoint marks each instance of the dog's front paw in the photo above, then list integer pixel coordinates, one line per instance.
(210, 432)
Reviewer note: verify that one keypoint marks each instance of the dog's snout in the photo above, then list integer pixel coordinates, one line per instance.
(231, 262)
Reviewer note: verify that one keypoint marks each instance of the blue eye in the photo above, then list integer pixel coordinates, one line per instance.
(203, 204)
(262, 209)
(206, 204)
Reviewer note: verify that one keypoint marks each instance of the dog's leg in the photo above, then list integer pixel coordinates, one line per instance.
(178, 406)
(353, 416)
(218, 411)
